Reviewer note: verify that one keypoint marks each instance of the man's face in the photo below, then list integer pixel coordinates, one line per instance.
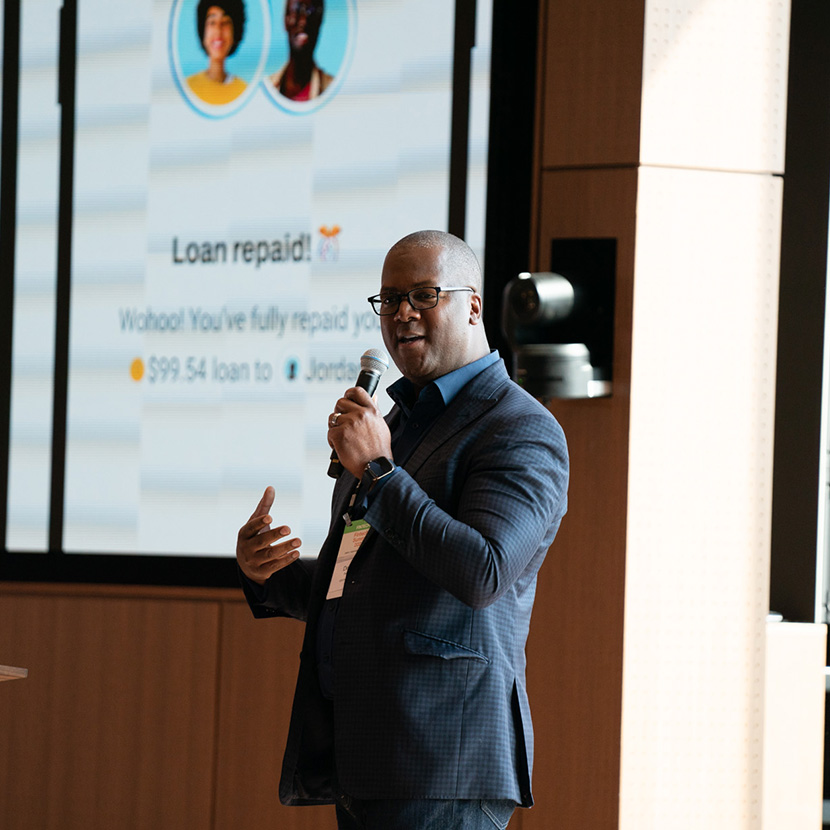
(302, 22)
(218, 39)
(429, 343)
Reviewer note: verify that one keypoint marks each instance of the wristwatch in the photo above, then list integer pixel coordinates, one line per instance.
(373, 472)
(377, 469)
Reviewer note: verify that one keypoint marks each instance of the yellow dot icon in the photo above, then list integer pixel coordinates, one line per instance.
(137, 369)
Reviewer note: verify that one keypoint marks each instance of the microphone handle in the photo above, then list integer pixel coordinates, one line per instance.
(369, 382)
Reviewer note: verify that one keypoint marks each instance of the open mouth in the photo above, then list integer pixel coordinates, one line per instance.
(406, 339)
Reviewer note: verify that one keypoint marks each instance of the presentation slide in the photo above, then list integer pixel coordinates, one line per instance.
(240, 172)
(35, 279)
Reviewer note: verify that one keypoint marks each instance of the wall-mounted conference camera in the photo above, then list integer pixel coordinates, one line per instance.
(560, 323)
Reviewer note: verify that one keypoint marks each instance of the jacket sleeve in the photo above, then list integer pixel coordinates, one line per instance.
(285, 594)
(499, 503)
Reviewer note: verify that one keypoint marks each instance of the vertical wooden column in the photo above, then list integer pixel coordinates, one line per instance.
(586, 186)
(707, 262)
(662, 125)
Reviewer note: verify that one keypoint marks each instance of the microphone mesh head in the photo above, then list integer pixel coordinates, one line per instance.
(374, 360)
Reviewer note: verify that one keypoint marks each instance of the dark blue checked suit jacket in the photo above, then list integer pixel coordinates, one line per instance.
(430, 697)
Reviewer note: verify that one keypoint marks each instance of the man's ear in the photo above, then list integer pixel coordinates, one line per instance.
(475, 309)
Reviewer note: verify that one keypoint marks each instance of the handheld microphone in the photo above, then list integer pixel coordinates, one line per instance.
(373, 363)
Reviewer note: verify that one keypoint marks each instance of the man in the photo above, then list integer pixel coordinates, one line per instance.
(411, 710)
(301, 79)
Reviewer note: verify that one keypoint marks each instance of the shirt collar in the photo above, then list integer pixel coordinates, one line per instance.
(403, 391)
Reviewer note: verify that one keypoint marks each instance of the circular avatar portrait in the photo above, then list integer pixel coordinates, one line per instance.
(311, 48)
(218, 50)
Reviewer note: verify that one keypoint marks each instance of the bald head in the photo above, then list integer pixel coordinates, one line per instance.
(459, 265)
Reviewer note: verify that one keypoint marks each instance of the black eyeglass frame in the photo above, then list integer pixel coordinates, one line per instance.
(378, 302)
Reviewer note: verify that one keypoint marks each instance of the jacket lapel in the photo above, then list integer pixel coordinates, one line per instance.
(477, 397)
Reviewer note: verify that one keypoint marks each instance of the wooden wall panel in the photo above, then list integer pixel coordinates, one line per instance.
(591, 67)
(575, 645)
(260, 659)
(115, 724)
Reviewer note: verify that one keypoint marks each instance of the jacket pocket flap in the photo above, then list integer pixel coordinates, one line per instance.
(416, 642)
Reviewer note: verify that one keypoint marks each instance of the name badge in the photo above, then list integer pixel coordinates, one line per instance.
(353, 535)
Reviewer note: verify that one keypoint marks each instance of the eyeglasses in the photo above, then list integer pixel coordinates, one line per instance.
(307, 9)
(419, 298)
